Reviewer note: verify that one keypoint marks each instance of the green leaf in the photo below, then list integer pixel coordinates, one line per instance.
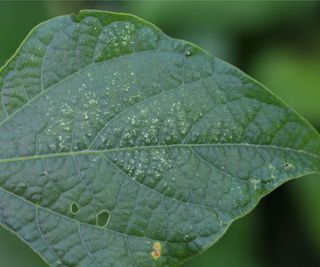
(120, 146)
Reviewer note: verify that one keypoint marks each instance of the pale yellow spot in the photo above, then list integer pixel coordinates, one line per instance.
(156, 253)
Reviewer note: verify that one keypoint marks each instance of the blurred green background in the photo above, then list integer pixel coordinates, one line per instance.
(278, 43)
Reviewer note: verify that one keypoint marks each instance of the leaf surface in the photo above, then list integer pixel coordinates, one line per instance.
(121, 146)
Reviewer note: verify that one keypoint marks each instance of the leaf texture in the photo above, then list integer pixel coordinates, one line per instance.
(121, 146)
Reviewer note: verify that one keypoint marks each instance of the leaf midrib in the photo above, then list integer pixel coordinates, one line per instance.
(88, 152)
(124, 149)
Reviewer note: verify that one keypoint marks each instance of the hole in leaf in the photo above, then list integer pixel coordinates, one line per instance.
(288, 166)
(75, 208)
(102, 218)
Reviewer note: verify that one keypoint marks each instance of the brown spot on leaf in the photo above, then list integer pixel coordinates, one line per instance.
(156, 253)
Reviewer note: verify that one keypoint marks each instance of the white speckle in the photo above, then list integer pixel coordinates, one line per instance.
(254, 182)
(95, 159)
